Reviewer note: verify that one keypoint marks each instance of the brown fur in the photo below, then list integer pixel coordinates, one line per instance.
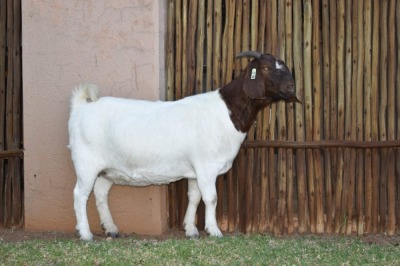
(245, 97)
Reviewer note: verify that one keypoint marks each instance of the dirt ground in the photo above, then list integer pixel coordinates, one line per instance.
(10, 235)
(18, 235)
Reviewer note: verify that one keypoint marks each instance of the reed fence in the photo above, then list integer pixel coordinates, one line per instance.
(328, 165)
(11, 174)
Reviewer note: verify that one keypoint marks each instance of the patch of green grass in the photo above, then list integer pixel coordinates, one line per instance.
(229, 250)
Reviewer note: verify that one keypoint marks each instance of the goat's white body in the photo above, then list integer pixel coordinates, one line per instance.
(140, 143)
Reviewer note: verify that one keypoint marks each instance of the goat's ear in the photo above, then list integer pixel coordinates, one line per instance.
(253, 84)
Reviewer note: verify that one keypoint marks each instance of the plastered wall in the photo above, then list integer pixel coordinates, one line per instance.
(118, 45)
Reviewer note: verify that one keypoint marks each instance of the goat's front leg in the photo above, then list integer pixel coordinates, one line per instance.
(194, 197)
(209, 194)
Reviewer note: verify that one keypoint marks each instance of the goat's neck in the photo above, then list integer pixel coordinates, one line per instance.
(243, 111)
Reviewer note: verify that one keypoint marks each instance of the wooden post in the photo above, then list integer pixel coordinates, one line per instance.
(374, 114)
(340, 112)
(367, 114)
(209, 48)
(3, 20)
(299, 119)
(178, 42)
(326, 112)
(184, 12)
(382, 89)
(200, 46)
(360, 121)
(307, 9)
(391, 199)
(317, 129)
(170, 44)
(351, 106)
(398, 112)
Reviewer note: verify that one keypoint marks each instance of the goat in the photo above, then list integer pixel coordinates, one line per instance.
(140, 143)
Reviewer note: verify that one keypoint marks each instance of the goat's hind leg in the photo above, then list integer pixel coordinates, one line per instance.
(190, 216)
(101, 189)
(82, 191)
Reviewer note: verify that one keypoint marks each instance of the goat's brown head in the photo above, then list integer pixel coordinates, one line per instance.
(268, 78)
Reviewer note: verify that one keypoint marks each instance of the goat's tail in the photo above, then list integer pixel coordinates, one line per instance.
(84, 93)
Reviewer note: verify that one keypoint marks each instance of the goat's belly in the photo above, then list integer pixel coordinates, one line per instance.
(138, 179)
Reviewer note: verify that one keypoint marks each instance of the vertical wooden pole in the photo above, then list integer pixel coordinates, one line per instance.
(290, 118)
(374, 114)
(351, 105)
(398, 116)
(171, 50)
(307, 9)
(340, 111)
(359, 123)
(300, 134)
(200, 46)
(9, 177)
(391, 199)
(209, 48)
(3, 19)
(178, 42)
(367, 114)
(333, 98)
(184, 14)
(327, 117)
(345, 102)
(238, 35)
(383, 32)
(17, 117)
(317, 129)
(191, 48)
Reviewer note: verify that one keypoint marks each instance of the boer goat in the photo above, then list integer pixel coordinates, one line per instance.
(140, 143)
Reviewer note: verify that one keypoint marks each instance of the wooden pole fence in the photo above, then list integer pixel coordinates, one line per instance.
(328, 165)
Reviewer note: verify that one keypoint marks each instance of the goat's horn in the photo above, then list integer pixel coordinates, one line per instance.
(249, 54)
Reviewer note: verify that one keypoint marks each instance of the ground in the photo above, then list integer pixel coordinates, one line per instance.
(10, 235)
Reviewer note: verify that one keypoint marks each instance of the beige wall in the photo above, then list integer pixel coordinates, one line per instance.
(120, 46)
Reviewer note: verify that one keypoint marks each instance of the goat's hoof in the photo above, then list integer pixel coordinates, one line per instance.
(214, 232)
(192, 236)
(86, 237)
(191, 232)
(113, 235)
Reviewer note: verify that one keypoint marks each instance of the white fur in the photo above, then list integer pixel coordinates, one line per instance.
(278, 65)
(140, 143)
